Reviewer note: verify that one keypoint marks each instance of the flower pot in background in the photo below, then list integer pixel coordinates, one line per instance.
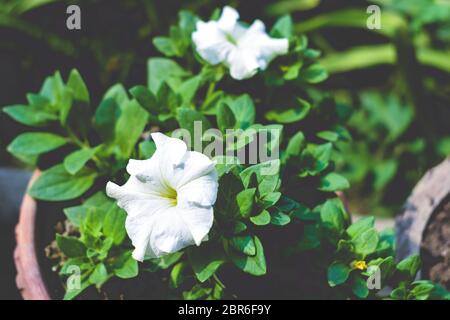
(423, 227)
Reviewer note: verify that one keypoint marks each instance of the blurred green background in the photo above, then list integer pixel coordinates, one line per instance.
(393, 82)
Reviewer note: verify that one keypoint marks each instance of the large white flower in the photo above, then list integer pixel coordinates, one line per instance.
(243, 50)
(169, 198)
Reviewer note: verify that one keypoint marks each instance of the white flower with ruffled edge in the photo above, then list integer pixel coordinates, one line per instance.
(243, 50)
(169, 199)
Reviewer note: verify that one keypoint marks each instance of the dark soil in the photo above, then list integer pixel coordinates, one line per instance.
(435, 248)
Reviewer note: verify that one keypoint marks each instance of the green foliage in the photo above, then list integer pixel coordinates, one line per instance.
(283, 209)
(100, 248)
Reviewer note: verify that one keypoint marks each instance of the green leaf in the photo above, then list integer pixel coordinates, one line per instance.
(332, 216)
(225, 117)
(422, 290)
(245, 200)
(255, 265)
(296, 144)
(266, 175)
(35, 143)
(99, 275)
(56, 184)
(29, 115)
(280, 219)
(70, 246)
(262, 219)
(188, 119)
(360, 226)
(314, 73)
(366, 242)
(109, 111)
(299, 112)
(165, 45)
(114, 224)
(188, 89)
(283, 27)
(145, 98)
(126, 267)
(99, 200)
(129, 127)
(333, 182)
(71, 294)
(205, 261)
(211, 103)
(75, 161)
(146, 149)
(328, 135)
(359, 287)
(338, 273)
(244, 111)
(244, 244)
(162, 70)
(409, 266)
(176, 275)
(80, 91)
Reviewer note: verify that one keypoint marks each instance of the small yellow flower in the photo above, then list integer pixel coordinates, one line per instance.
(360, 265)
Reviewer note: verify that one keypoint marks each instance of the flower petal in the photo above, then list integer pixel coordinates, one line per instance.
(228, 19)
(198, 220)
(155, 235)
(211, 43)
(201, 192)
(243, 64)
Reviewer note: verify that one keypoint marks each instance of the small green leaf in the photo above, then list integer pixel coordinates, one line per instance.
(410, 266)
(29, 116)
(255, 265)
(206, 260)
(225, 117)
(99, 275)
(283, 27)
(162, 70)
(332, 216)
(338, 273)
(145, 98)
(147, 149)
(56, 184)
(315, 73)
(359, 287)
(129, 127)
(70, 246)
(80, 91)
(114, 224)
(188, 89)
(244, 244)
(244, 111)
(35, 143)
(125, 266)
(333, 182)
(262, 219)
(75, 161)
(165, 45)
(280, 219)
(176, 275)
(360, 226)
(245, 200)
(299, 112)
(366, 242)
(296, 144)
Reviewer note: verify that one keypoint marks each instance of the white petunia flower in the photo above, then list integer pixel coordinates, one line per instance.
(168, 198)
(243, 50)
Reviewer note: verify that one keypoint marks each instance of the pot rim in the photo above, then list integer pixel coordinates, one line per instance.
(29, 279)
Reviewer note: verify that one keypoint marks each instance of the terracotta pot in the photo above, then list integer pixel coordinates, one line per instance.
(425, 199)
(29, 277)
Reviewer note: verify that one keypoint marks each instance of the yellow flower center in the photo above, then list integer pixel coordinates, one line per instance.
(360, 265)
